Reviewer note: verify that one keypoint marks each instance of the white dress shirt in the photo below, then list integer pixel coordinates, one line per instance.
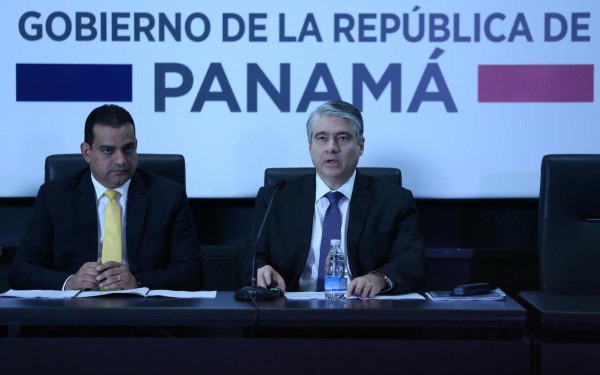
(308, 278)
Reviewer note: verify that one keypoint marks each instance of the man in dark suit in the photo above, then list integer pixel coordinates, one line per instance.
(379, 232)
(62, 247)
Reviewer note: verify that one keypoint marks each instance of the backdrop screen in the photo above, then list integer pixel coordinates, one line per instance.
(464, 97)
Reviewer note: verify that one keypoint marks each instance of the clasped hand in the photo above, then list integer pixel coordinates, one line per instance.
(109, 275)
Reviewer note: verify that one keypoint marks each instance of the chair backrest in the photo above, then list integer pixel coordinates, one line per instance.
(167, 165)
(272, 175)
(569, 224)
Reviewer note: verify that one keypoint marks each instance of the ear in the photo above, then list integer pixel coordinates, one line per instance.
(86, 151)
(361, 144)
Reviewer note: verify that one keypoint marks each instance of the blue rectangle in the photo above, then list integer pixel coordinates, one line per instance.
(74, 83)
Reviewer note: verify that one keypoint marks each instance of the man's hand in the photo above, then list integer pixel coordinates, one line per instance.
(268, 276)
(114, 275)
(85, 278)
(367, 286)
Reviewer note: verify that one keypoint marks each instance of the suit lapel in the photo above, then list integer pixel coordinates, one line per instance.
(137, 205)
(304, 207)
(359, 207)
(85, 205)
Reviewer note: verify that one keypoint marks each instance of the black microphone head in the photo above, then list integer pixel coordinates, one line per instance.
(280, 184)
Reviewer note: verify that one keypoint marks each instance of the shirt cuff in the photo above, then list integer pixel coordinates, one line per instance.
(388, 281)
(65, 283)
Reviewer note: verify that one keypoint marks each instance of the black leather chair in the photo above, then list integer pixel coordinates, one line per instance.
(168, 165)
(569, 224)
(273, 175)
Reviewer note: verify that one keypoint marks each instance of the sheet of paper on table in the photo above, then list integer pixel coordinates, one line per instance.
(321, 296)
(142, 292)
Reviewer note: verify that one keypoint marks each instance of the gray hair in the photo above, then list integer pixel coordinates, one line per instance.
(337, 108)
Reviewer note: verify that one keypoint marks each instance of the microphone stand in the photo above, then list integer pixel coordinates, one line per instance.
(254, 292)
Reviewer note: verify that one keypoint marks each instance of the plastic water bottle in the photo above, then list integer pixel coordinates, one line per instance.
(335, 272)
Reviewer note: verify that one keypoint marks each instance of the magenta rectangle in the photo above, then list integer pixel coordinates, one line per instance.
(535, 83)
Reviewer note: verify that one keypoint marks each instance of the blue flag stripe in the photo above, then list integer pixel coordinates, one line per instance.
(74, 83)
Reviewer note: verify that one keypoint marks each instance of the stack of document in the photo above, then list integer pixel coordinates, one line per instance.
(495, 295)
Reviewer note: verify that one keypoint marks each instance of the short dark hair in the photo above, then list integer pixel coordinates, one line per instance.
(337, 108)
(107, 115)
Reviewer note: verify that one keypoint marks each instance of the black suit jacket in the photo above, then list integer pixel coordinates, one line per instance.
(62, 234)
(382, 233)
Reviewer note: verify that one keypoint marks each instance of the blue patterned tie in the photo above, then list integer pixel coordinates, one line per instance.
(332, 229)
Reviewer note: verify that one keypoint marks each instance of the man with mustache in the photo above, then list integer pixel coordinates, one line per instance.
(62, 247)
(377, 222)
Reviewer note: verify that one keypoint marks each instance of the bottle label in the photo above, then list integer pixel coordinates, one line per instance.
(335, 284)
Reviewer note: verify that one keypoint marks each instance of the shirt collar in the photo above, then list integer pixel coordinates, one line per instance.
(100, 189)
(346, 188)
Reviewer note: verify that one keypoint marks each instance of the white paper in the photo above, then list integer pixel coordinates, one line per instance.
(321, 296)
(145, 292)
(182, 294)
(99, 293)
(142, 292)
(50, 294)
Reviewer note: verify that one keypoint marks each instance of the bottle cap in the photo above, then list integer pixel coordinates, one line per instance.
(336, 242)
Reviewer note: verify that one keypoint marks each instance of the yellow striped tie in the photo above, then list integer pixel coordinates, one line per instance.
(111, 245)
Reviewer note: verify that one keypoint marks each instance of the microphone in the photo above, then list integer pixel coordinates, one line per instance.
(254, 292)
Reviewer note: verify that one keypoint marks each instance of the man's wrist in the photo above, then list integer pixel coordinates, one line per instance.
(385, 282)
